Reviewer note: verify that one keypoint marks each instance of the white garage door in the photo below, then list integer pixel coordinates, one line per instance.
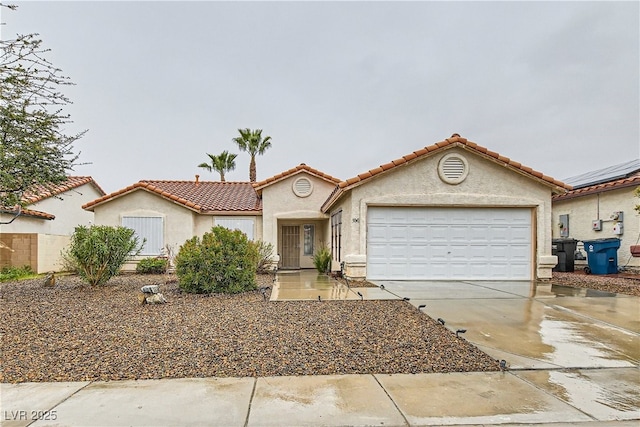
(410, 243)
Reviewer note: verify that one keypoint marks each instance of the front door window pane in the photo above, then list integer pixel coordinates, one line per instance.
(309, 236)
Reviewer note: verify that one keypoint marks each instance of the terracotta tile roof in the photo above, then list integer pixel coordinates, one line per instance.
(199, 196)
(30, 212)
(617, 184)
(298, 169)
(454, 141)
(41, 192)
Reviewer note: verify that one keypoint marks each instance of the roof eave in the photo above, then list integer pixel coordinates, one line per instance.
(259, 186)
(556, 186)
(232, 213)
(180, 202)
(596, 190)
(332, 200)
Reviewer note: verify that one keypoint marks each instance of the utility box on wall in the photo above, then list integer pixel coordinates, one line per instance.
(596, 225)
(618, 228)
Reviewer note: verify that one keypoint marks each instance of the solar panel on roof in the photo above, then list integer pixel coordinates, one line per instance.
(607, 174)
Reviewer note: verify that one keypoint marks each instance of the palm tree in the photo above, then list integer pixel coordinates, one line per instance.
(252, 142)
(221, 163)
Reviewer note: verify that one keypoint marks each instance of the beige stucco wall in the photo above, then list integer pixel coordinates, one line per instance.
(67, 210)
(281, 205)
(418, 184)
(49, 252)
(204, 223)
(22, 224)
(178, 221)
(582, 210)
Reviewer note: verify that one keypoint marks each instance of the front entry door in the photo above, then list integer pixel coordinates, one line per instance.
(290, 246)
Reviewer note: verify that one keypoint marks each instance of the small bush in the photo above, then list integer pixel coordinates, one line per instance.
(13, 273)
(223, 261)
(98, 252)
(152, 266)
(264, 251)
(322, 259)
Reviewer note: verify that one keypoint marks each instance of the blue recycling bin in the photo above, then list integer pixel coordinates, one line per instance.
(602, 255)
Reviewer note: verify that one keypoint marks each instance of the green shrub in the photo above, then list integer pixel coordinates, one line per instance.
(264, 252)
(98, 252)
(152, 266)
(223, 261)
(13, 273)
(322, 259)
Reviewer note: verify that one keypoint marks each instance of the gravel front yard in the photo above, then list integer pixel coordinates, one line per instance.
(623, 284)
(71, 333)
(68, 333)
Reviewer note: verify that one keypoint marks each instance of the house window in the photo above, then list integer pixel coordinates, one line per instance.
(309, 237)
(336, 235)
(149, 228)
(243, 224)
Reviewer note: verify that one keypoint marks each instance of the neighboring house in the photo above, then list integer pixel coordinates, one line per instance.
(44, 226)
(601, 205)
(167, 213)
(452, 210)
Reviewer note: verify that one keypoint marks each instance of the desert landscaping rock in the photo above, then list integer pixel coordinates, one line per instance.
(79, 333)
(157, 298)
(627, 284)
(150, 289)
(73, 332)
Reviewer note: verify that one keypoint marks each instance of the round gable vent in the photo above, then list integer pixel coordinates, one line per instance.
(302, 187)
(453, 168)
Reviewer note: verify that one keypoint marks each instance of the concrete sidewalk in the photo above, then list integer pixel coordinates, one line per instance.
(353, 400)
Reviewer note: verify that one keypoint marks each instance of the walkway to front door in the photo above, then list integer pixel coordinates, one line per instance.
(309, 285)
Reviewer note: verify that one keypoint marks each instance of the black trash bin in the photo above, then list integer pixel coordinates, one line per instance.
(565, 250)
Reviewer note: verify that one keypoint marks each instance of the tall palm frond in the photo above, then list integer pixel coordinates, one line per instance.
(222, 163)
(253, 143)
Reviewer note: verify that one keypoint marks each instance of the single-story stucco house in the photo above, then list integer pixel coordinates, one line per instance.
(602, 205)
(452, 210)
(44, 227)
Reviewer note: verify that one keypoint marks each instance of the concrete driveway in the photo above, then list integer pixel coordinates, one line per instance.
(581, 346)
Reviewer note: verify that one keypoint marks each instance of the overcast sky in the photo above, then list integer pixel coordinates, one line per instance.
(341, 86)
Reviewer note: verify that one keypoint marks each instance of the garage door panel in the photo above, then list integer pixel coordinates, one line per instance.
(439, 233)
(418, 235)
(459, 233)
(417, 252)
(397, 252)
(398, 269)
(377, 233)
(398, 233)
(417, 269)
(456, 243)
(522, 234)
